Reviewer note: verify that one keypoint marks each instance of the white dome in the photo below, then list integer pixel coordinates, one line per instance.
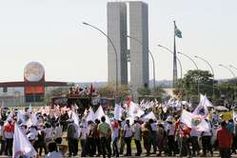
(33, 72)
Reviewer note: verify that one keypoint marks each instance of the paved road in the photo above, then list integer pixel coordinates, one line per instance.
(215, 156)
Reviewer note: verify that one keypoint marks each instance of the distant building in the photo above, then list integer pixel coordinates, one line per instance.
(138, 12)
(31, 90)
(117, 30)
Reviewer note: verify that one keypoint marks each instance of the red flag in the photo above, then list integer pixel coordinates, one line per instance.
(128, 100)
(92, 90)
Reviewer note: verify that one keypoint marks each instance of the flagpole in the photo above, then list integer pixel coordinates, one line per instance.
(174, 60)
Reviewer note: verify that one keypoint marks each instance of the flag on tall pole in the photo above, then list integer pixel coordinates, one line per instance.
(174, 60)
(177, 33)
(202, 108)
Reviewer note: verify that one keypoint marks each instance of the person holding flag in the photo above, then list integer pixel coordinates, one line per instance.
(183, 132)
(8, 132)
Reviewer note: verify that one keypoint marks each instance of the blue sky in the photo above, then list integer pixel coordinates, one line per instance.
(51, 32)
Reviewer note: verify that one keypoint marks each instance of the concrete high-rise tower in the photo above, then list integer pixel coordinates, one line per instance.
(138, 15)
(117, 28)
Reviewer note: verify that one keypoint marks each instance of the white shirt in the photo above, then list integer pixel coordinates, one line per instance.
(195, 133)
(48, 133)
(83, 132)
(208, 133)
(123, 123)
(115, 133)
(137, 131)
(128, 131)
(58, 132)
(154, 127)
(1, 131)
(170, 128)
(54, 154)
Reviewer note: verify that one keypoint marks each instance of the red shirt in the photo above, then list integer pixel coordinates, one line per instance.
(184, 131)
(9, 128)
(224, 138)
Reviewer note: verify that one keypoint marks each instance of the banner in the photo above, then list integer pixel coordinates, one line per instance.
(194, 121)
(226, 116)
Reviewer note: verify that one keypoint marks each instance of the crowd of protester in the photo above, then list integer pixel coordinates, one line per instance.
(48, 129)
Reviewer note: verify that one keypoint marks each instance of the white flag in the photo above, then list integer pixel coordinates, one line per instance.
(118, 112)
(150, 115)
(134, 110)
(99, 113)
(90, 116)
(21, 116)
(194, 121)
(235, 117)
(202, 109)
(21, 145)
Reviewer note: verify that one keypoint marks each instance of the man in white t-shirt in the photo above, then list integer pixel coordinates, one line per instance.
(127, 135)
(53, 151)
(206, 140)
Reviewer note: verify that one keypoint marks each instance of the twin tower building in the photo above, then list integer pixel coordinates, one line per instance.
(128, 30)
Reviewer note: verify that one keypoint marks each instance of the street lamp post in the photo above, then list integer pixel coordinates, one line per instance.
(227, 68)
(232, 66)
(232, 73)
(169, 50)
(194, 65)
(235, 68)
(112, 44)
(212, 70)
(152, 57)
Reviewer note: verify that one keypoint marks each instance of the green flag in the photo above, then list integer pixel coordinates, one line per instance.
(178, 33)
